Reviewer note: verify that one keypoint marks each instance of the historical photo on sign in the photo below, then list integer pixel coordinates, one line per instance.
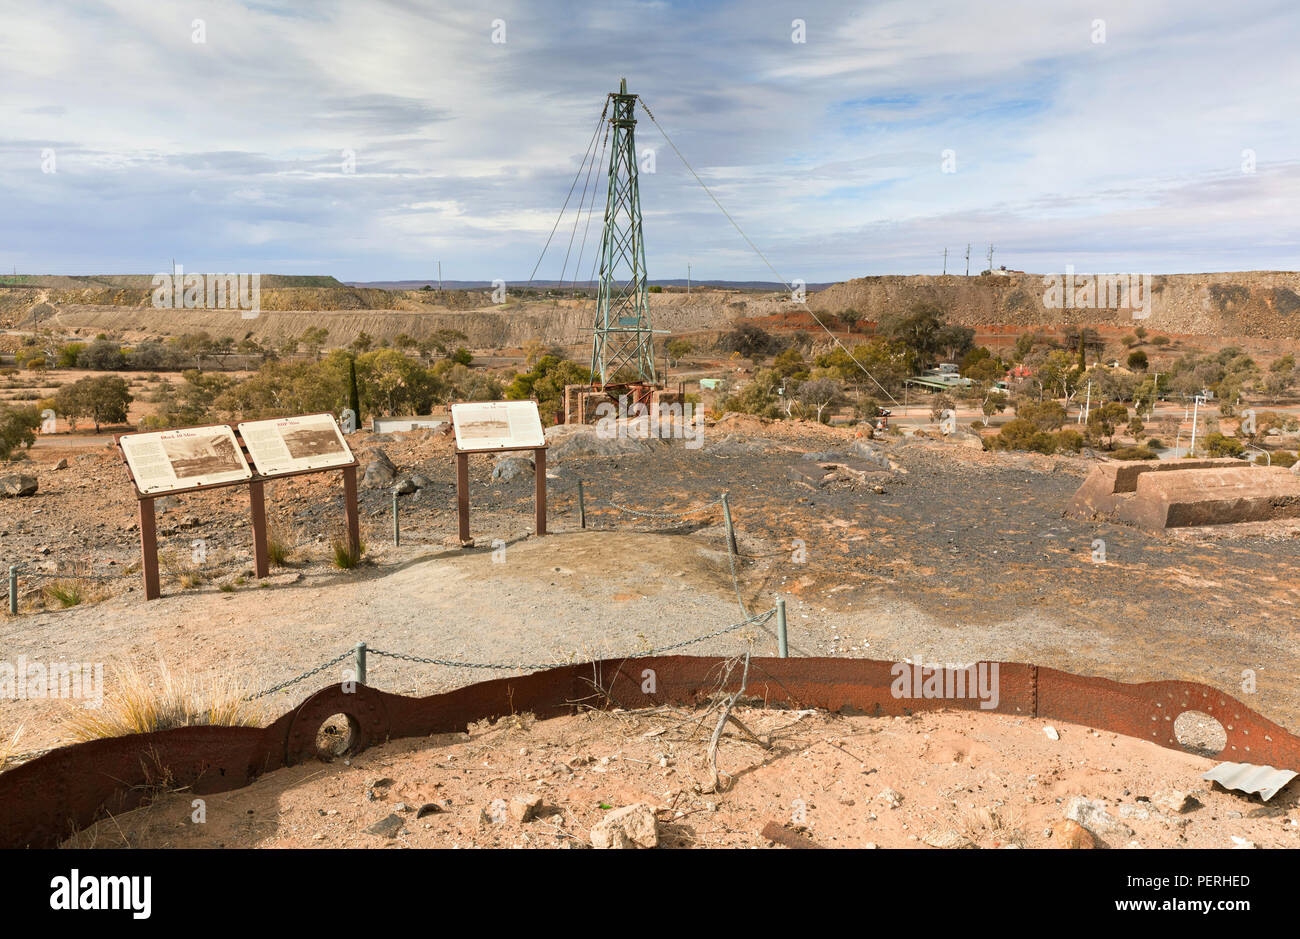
(202, 455)
(295, 444)
(185, 458)
(497, 425)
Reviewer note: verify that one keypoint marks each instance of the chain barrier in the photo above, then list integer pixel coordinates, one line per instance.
(307, 674)
(760, 619)
(539, 666)
(630, 511)
(32, 572)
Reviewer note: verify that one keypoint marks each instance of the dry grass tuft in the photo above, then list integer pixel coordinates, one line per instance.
(344, 557)
(280, 540)
(65, 592)
(8, 747)
(140, 702)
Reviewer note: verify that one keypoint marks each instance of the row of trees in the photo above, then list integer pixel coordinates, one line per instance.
(386, 382)
(200, 350)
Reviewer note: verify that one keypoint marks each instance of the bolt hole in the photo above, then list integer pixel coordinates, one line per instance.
(337, 736)
(1199, 733)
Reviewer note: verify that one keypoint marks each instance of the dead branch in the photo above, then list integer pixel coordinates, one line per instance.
(714, 780)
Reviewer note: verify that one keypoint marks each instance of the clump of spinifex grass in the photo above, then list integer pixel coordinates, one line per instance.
(279, 544)
(187, 572)
(65, 592)
(140, 701)
(344, 557)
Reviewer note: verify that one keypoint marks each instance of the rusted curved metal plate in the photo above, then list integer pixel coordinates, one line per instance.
(44, 801)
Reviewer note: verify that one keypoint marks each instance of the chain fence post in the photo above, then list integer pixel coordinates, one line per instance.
(13, 590)
(397, 531)
(782, 640)
(582, 506)
(731, 531)
(361, 663)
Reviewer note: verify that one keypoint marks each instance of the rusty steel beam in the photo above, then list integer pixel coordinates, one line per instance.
(49, 798)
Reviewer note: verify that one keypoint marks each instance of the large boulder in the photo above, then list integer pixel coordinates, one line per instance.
(19, 484)
(510, 467)
(577, 440)
(380, 470)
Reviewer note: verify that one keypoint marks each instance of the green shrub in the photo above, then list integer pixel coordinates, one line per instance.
(1135, 453)
(344, 557)
(1218, 445)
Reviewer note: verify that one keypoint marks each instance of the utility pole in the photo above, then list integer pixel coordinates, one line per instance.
(1196, 404)
(688, 278)
(439, 277)
(968, 259)
(945, 262)
(990, 259)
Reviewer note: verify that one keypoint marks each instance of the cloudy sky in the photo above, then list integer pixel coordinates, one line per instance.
(371, 140)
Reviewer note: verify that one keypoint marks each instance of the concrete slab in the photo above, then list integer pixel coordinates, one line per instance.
(1212, 497)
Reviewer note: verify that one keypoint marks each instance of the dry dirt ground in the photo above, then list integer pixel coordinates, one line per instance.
(965, 556)
(937, 779)
(955, 555)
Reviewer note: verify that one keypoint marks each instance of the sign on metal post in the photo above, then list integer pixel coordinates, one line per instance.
(497, 427)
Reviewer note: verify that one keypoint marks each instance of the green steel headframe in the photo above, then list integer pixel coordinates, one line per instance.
(623, 336)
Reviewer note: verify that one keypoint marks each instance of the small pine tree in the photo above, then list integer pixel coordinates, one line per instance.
(354, 397)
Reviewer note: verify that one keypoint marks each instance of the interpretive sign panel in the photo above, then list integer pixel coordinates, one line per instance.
(295, 444)
(497, 425)
(187, 458)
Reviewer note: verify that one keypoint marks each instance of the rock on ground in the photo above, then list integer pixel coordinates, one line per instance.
(19, 484)
(632, 826)
(1069, 834)
(380, 470)
(510, 467)
(1093, 816)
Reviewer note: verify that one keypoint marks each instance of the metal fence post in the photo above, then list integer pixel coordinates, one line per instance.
(582, 506)
(397, 531)
(361, 663)
(782, 641)
(731, 531)
(13, 590)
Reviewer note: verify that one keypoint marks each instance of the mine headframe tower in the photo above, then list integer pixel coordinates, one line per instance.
(623, 337)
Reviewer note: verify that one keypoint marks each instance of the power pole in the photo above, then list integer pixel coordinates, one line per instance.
(945, 262)
(688, 278)
(990, 258)
(1196, 404)
(622, 333)
(439, 277)
(968, 259)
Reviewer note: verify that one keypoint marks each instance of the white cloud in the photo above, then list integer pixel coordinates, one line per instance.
(827, 153)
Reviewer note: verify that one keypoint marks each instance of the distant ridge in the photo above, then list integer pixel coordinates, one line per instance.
(580, 285)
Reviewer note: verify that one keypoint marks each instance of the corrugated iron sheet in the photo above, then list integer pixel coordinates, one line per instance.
(1247, 777)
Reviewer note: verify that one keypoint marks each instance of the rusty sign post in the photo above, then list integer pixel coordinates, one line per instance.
(497, 427)
(462, 487)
